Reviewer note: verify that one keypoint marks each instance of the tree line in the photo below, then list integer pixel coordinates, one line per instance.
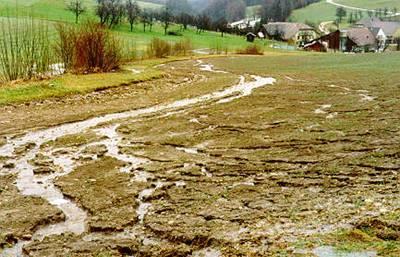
(280, 10)
(216, 15)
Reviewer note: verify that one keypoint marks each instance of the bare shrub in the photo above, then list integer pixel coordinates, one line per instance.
(96, 49)
(219, 48)
(158, 48)
(25, 50)
(65, 46)
(89, 48)
(252, 49)
(182, 47)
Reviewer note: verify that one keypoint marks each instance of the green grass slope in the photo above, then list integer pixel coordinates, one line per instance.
(322, 11)
(371, 4)
(314, 13)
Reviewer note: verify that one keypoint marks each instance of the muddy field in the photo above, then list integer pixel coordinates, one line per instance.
(223, 157)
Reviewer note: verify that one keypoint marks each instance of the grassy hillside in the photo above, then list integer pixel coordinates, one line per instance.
(51, 9)
(315, 13)
(54, 10)
(322, 11)
(371, 4)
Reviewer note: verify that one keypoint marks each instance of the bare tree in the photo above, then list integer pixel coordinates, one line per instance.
(203, 22)
(166, 18)
(222, 26)
(184, 19)
(77, 7)
(133, 12)
(147, 19)
(110, 12)
(102, 10)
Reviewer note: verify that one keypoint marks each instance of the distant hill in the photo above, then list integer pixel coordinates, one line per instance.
(324, 11)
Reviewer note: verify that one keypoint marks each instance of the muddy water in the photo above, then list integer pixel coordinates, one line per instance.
(328, 251)
(32, 185)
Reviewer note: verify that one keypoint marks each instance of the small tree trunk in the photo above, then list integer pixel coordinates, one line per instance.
(76, 18)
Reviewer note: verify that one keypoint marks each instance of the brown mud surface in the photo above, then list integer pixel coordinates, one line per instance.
(247, 177)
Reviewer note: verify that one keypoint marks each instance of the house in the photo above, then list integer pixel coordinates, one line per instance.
(245, 23)
(358, 40)
(351, 40)
(296, 33)
(250, 37)
(316, 46)
(332, 40)
(389, 28)
(325, 43)
(380, 37)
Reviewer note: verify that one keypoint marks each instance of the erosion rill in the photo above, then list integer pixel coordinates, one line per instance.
(40, 162)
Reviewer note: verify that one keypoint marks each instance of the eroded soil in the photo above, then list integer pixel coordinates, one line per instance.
(243, 174)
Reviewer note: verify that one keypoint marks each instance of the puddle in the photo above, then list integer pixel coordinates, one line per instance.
(208, 67)
(322, 109)
(208, 252)
(202, 51)
(366, 98)
(144, 207)
(135, 71)
(332, 115)
(113, 149)
(329, 251)
(189, 150)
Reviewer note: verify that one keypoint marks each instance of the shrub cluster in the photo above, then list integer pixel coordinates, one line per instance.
(252, 50)
(89, 48)
(159, 48)
(25, 50)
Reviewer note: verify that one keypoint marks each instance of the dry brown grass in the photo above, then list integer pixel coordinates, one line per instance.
(252, 50)
(159, 48)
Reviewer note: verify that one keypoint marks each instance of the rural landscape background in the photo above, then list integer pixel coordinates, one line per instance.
(199, 128)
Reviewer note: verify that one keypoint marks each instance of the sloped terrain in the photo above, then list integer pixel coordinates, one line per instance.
(221, 159)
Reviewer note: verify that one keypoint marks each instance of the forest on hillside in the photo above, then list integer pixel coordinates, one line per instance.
(231, 10)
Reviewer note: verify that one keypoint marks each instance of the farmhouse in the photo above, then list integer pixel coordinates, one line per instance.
(245, 23)
(350, 40)
(296, 33)
(389, 28)
(327, 42)
(316, 46)
(358, 40)
(380, 37)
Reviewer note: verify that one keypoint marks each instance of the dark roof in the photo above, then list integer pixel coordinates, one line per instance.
(286, 30)
(389, 27)
(375, 31)
(361, 36)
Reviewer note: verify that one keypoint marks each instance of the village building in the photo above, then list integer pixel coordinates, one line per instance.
(250, 37)
(329, 42)
(380, 37)
(295, 33)
(350, 40)
(249, 23)
(389, 28)
(358, 40)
